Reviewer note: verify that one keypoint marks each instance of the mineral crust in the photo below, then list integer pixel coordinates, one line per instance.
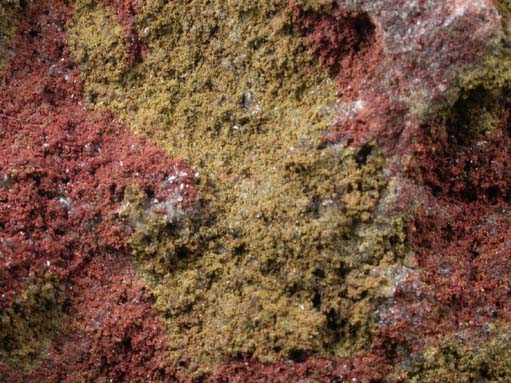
(268, 191)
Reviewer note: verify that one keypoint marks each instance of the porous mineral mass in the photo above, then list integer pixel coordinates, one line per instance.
(255, 191)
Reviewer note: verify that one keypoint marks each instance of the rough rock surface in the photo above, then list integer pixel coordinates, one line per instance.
(417, 50)
(341, 212)
(72, 307)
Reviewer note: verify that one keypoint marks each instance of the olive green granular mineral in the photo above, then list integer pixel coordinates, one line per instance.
(9, 10)
(29, 323)
(463, 360)
(278, 261)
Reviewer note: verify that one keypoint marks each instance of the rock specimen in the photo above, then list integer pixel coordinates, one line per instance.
(280, 190)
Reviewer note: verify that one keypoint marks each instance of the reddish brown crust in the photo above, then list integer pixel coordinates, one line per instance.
(363, 367)
(462, 234)
(112, 332)
(64, 169)
(126, 12)
(347, 44)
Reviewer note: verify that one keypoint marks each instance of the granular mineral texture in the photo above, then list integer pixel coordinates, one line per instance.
(255, 191)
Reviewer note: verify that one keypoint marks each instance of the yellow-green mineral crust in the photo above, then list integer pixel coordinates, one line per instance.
(462, 360)
(285, 255)
(495, 70)
(29, 323)
(479, 103)
(9, 10)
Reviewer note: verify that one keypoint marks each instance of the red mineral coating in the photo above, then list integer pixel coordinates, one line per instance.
(347, 44)
(126, 12)
(363, 367)
(63, 172)
(462, 234)
(112, 332)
